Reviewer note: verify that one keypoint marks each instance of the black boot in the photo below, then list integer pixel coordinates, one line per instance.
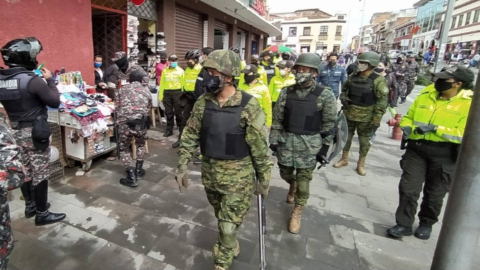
(44, 216)
(423, 232)
(30, 208)
(138, 169)
(176, 144)
(404, 99)
(168, 133)
(131, 180)
(399, 231)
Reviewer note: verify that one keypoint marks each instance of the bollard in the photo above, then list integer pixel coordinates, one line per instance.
(395, 123)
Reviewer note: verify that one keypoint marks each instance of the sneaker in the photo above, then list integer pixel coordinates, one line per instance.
(164, 121)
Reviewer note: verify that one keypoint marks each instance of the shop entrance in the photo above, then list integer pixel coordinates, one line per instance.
(221, 36)
(241, 43)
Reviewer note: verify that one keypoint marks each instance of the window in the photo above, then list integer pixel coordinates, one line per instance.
(341, 17)
(306, 31)
(454, 21)
(476, 16)
(292, 31)
(467, 20)
(338, 32)
(324, 30)
(460, 21)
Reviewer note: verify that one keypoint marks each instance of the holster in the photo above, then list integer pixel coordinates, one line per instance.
(140, 123)
(404, 143)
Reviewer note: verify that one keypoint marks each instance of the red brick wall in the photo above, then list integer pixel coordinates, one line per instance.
(63, 26)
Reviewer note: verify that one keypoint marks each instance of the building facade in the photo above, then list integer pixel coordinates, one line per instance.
(310, 30)
(403, 35)
(464, 31)
(366, 37)
(428, 21)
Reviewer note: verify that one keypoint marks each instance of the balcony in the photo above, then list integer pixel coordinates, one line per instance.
(306, 37)
(322, 37)
(338, 37)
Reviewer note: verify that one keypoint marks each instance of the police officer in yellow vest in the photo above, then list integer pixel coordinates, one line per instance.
(281, 80)
(255, 60)
(170, 92)
(189, 79)
(434, 127)
(268, 64)
(259, 90)
(242, 62)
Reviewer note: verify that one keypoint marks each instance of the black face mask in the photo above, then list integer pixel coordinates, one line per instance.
(163, 61)
(254, 63)
(190, 64)
(441, 85)
(409, 61)
(122, 63)
(212, 83)
(250, 78)
(379, 70)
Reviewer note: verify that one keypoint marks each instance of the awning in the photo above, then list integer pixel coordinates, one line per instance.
(244, 13)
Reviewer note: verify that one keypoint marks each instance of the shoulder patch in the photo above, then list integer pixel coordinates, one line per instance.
(259, 122)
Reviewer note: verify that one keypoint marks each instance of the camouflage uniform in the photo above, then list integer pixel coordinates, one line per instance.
(133, 101)
(361, 118)
(298, 152)
(229, 184)
(413, 70)
(12, 176)
(401, 72)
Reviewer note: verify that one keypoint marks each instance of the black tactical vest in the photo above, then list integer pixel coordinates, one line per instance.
(301, 116)
(221, 136)
(270, 70)
(20, 105)
(361, 91)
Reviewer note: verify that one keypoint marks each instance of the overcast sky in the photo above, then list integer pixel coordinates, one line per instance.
(354, 7)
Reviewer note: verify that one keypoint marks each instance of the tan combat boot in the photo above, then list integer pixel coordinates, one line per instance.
(343, 161)
(295, 219)
(361, 166)
(291, 192)
(236, 251)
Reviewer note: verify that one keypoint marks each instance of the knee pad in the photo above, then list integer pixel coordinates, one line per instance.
(228, 234)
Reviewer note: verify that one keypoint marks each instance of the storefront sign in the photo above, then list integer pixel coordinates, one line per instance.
(259, 6)
(137, 2)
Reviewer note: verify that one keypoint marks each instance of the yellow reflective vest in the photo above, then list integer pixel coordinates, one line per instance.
(450, 116)
(278, 83)
(260, 91)
(172, 79)
(190, 78)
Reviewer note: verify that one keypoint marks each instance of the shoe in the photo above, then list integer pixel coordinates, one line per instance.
(423, 232)
(291, 192)
(140, 172)
(361, 166)
(131, 180)
(403, 100)
(343, 161)
(43, 215)
(295, 219)
(168, 133)
(399, 231)
(197, 160)
(164, 121)
(176, 144)
(30, 207)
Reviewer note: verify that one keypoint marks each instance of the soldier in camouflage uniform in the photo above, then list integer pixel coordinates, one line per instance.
(413, 70)
(12, 176)
(132, 105)
(303, 119)
(364, 99)
(229, 126)
(401, 70)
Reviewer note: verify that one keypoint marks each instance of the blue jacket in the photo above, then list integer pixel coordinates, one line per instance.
(331, 77)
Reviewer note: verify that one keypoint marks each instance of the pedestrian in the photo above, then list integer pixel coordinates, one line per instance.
(426, 58)
(448, 57)
(12, 176)
(255, 60)
(133, 105)
(303, 120)
(364, 100)
(433, 127)
(188, 98)
(231, 164)
(25, 97)
(353, 67)
(162, 64)
(283, 79)
(259, 90)
(332, 75)
(413, 70)
(99, 78)
(475, 60)
(402, 71)
(268, 65)
(170, 92)
(119, 74)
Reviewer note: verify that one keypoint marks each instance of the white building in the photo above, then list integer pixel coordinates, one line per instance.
(366, 36)
(464, 31)
(310, 30)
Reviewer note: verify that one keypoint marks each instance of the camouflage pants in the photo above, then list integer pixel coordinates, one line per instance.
(303, 178)
(6, 237)
(126, 135)
(410, 86)
(402, 89)
(35, 161)
(364, 131)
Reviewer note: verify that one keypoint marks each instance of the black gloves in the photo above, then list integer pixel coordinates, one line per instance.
(322, 154)
(274, 147)
(406, 132)
(422, 130)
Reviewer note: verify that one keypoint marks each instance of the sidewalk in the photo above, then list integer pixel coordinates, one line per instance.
(154, 227)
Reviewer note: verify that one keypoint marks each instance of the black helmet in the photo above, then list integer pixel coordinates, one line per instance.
(235, 50)
(192, 54)
(286, 56)
(22, 53)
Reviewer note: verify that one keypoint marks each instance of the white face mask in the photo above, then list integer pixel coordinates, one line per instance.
(283, 72)
(201, 59)
(362, 67)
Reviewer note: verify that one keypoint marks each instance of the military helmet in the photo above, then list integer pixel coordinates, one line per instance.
(21, 52)
(193, 54)
(225, 62)
(255, 57)
(372, 58)
(310, 60)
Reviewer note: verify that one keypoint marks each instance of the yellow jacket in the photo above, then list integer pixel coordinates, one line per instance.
(190, 78)
(260, 91)
(261, 72)
(278, 83)
(172, 79)
(450, 116)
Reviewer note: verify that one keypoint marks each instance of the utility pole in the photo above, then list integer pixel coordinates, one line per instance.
(461, 223)
(362, 31)
(444, 35)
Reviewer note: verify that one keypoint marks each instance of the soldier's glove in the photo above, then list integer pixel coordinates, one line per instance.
(262, 189)
(182, 177)
(406, 132)
(322, 154)
(422, 130)
(274, 147)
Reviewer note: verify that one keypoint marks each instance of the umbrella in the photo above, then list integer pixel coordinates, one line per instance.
(278, 49)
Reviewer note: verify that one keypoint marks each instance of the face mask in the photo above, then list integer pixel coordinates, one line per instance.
(173, 65)
(442, 85)
(250, 78)
(214, 84)
(283, 72)
(379, 70)
(97, 65)
(163, 61)
(332, 62)
(190, 64)
(303, 78)
(362, 67)
(399, 61)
